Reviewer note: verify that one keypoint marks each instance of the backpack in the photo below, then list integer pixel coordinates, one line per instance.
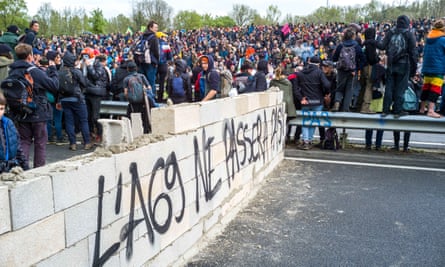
(346, 59)
(178, 86)
(225, 82)
(397, 47)
(141, 53)
(18, 90)
(67, 85)
(410, 101)
(331, 139)
(135, 89)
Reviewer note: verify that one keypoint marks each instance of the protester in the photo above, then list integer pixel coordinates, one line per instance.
(6, 59)
(433, 68)
(165, 57)
(31, 34)
(208, 80)
(285, 85)
(309, 88)
(9, 38)
(150, 69)
(32, 128)
(74, 106)
(400, 67)
(179, 86)
(346, 74)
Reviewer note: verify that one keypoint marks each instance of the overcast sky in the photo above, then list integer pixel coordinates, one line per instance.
(113, 8)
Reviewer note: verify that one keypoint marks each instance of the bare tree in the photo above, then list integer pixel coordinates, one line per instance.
(242, 14)
(273, 14)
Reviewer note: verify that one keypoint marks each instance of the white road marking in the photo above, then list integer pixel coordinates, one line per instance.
(367, 164)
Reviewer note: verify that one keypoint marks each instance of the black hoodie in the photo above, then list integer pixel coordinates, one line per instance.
(68, 61)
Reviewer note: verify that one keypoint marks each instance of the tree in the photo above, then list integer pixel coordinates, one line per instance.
(157, 10)
(187, 20)
(224, 21)
(242, 14)
(43, 16)
(273, 14)
(118, 24)
(97, 21)
(13, 12)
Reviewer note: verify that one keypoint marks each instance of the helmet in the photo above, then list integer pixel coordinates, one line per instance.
(88, 51)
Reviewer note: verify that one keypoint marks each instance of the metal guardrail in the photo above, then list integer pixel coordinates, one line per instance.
(350, 120)
(113, 108)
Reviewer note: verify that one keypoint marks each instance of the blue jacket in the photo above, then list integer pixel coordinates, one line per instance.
(12, 150)
(434, 54)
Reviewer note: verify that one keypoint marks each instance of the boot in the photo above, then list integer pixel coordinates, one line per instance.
(431, 110)
(366, 109)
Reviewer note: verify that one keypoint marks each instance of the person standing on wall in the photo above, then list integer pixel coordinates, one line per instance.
(150, 69)
(165, 56)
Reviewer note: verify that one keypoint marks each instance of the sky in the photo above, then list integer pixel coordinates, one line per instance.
(113, 8)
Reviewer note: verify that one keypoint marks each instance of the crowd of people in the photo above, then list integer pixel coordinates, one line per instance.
(362, 67)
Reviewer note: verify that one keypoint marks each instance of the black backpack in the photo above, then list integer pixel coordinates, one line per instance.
(331, 139)
(397, 47)
(346, 59)
(67, 84)
(18, 90)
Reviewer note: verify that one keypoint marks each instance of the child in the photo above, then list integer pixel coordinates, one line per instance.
(11, 154)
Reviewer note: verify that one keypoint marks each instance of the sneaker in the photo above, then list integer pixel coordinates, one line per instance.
(400, 114)
(395, 148)
(62, 141)
(88, 146)
(50, 141)
(73, 147)
(336, 107)
(169, 102)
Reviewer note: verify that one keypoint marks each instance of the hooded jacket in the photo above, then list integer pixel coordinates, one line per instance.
(434, 53)
(117, 83)
(9, 39)
(312, 84)
(154, 46)
(286, 86)
(209, 80)
(402, 25)
(31, 37)
(260, 76)
(360, 59)
(80, 80)
(180, 70)
(43, 82)
(4, 64)
(12, 150)
(372, 57)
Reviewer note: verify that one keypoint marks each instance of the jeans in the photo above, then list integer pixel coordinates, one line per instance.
(57, 119)
(93, 108)
(396, 84)
(344, 89)
(150, 72)
(34, 132)
(378, 138)
(308, 131)
(162, 74)
(76, 112)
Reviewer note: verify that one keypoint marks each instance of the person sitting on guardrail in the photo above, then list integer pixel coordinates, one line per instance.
(309, 88)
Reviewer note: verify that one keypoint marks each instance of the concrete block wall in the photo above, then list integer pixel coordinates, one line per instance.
(154, 204)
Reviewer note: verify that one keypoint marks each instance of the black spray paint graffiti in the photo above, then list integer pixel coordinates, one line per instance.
(206, 174)
(171, 176)
(246, 142)
(316, 118)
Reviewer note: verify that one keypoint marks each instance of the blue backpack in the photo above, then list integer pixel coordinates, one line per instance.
(178, 86)
(410, 101)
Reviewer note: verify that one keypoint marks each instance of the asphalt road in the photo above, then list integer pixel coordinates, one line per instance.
(345, 208)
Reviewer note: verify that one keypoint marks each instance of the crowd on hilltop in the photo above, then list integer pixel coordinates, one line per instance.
(333, 66)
